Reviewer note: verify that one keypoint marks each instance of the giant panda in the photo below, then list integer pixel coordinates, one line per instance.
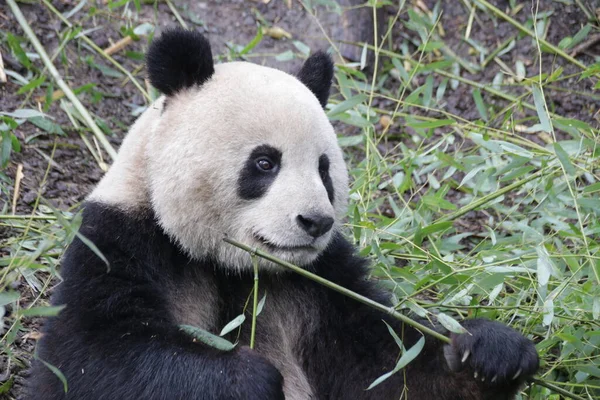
(241, 151)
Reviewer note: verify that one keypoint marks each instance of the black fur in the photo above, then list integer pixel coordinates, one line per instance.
(325, 177)
(317, 74)
(253, 182)
(118, 339)
(179, 59)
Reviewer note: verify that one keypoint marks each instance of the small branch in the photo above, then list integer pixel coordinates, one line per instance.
(373, 304)
(59, 81)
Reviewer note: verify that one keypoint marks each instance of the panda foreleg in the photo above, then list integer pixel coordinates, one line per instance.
(491, 362)
(154, 368)
(117, 338)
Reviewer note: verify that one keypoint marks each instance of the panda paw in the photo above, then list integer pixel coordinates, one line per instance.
(494, 353)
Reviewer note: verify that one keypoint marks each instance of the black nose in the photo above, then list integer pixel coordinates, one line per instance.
(314, 224)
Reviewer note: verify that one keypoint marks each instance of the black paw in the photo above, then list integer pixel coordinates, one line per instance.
(255, 377)
(493, 352)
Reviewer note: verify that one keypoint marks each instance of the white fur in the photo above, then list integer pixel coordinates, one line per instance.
(185, 162)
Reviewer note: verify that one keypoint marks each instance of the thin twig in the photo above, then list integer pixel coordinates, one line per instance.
(59, 81)
(373, 304)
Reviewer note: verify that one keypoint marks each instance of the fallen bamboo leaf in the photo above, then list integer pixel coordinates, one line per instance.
(2, 74)
(277, 33)
(118, 46)
(18, 177)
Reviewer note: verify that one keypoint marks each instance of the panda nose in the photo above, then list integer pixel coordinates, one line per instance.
(314, 224)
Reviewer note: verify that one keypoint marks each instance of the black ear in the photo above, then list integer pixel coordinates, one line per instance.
(316, 74)
(179, 59)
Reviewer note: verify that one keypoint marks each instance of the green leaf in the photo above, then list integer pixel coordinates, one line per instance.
(563, 157)
(345, 141)
(430, 124)
(32, 85)
(480, 105)
(41, 311)
(8, 297)
(261, 304)
(47, 125)
(6, 386)
(592, 188)
(544, 266)
(15, 46)
(208, 338)
(234, 323)
(256, 40)
(6, 148)
(346, 105)
(24, 113)
(285, 56)
(406, 358)
(540, 107)
(302, 48)
(450, 323)
(514, 149)
(56, 372)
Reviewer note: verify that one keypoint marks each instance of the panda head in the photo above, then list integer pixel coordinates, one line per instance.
(243, 151)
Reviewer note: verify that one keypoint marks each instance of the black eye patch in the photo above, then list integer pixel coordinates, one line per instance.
(324, 172)
(259, 172)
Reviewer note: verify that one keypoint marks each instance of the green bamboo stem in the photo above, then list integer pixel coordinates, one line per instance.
(340, 289)
(59, 81)
(555, 49)
(373, 304)
(485, 199)
(254, 302)
(100, 51)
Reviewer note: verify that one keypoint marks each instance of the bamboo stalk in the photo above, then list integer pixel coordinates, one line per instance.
(373, 304)
(59, 81)
(340, 289)
(254, 302)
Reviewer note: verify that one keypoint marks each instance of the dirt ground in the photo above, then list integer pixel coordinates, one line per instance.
(74, 172)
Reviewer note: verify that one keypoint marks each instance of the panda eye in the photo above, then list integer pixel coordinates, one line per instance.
(264, 164)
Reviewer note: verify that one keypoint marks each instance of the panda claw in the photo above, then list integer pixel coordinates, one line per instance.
(517, 374)
(483, 379)
(475, 375)
(494, 378)
(465, 356)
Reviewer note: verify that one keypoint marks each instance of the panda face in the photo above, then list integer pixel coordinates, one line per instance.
(250, 155)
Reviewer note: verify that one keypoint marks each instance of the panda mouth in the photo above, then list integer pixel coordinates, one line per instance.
(276, 247)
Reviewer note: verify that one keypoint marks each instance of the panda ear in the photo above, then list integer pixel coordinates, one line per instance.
(179, 59)
(316, 74)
